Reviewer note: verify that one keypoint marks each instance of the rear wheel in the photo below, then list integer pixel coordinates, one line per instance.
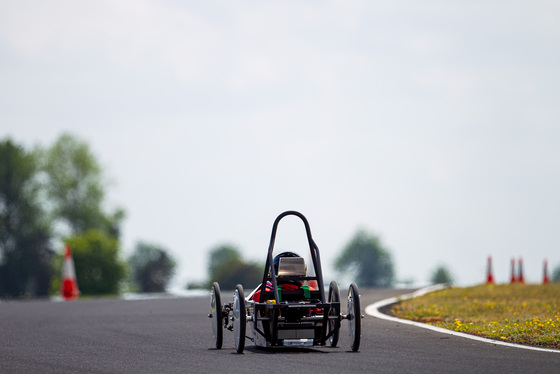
(216, 315)
(354, 316)
(239, 318)
(334, 324)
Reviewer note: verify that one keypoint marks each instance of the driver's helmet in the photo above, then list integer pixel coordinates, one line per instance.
(277, 258)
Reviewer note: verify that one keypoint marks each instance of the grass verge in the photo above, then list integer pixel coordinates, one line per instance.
(526, 314)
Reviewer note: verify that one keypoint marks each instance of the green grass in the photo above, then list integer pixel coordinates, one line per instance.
(526, 314)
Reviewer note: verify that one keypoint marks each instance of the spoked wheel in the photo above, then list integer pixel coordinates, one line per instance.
(334, 324)
(216, 315)
(354, 316)
(239, 318)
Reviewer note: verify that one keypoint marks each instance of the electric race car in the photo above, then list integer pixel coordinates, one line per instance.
(289, 308)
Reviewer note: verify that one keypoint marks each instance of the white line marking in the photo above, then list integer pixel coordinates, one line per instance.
(373, 310)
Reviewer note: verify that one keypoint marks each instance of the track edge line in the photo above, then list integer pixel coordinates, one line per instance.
(373, 310)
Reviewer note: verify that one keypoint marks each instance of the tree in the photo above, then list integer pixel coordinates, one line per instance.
(25, 252)
(152, 267)
(99, 269)
(227, 267)
(441, 275)
(367, 261)
(74, 187)
(556, 274)
(74, 190)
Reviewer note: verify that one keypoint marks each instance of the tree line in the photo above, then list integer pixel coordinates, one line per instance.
(55, 195)
(364, 260)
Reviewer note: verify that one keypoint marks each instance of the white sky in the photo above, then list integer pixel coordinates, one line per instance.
(433, 124)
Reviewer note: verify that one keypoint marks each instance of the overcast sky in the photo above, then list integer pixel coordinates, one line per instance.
(432, 124)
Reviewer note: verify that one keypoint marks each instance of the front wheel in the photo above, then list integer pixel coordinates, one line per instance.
(354, 316)
(239, 318)
(334, 324)
(216, 315)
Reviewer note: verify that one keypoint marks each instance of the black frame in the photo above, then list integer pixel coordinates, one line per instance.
(283, 316)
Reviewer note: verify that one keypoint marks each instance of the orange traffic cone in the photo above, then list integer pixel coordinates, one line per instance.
(520, 277)
(546, 279)
(489, 275)
(513, 277)
(69, 289)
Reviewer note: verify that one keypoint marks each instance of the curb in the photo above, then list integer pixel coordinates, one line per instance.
(373, 310)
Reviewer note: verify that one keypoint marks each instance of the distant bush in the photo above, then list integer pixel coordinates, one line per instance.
(152, 268)
(227, 267)
(99, 270)
(441, 275)
(556, 274)
(367, 261)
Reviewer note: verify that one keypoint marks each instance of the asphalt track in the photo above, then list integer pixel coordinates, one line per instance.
(173, 335)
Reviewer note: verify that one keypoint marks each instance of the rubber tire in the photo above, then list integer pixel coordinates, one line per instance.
(217, 315)
(334, 296)
(356, 319)
(239, 318)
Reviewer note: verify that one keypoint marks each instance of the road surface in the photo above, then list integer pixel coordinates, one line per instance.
(173, 335)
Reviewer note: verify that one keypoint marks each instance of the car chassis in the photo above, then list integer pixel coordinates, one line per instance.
(299, 318)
